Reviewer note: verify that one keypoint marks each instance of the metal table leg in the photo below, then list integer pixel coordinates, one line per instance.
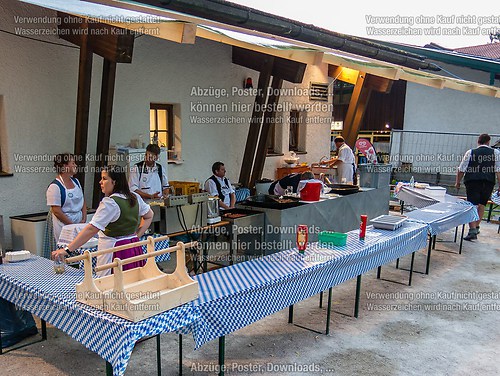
(222, 349)
(461, 240)
(328, 315)
(180, 354)
(109, 369)
(456, 233)
(158, 356)
(44, 330)
(329, 311)
(205, 257)
(321, 299)
(358, 291)
(411, 268)
(429, 248)
(379, 271)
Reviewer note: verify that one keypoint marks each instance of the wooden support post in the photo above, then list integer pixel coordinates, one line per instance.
(83, 103)
(104, 131)
(269, 121)
(256, 121)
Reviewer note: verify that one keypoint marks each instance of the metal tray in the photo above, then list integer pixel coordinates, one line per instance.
(388, 222)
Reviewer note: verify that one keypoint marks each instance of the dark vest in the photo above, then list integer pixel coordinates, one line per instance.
(481, 165)
(287, 181)
(127, 222)
(219, 187)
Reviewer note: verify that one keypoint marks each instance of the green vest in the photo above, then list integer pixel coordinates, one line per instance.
(128, 221)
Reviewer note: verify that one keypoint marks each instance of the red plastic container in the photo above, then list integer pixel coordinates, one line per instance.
(362, 226)
(311, 191)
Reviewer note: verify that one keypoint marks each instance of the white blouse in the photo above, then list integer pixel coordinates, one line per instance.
(72, 207)
(107, 212)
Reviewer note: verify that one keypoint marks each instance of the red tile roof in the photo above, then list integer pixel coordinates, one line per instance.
(490, 50)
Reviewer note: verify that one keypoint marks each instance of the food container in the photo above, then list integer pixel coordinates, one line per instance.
(17, 256)
(302, 237)
(362, 226)
(311, 191)
(435, 191)
(333, 238)
(388, 222)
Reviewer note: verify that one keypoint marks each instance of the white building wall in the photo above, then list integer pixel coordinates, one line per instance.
(435, 110)
(38, 83)
(451, 110)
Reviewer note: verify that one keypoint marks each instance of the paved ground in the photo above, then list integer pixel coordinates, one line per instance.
(445, 324)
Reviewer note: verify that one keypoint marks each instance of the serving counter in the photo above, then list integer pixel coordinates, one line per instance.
(339, 214)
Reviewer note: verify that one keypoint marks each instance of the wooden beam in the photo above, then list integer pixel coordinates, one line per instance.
(343, 74)
(269, 120)
(113, 43)
(104, 130)
(348, 132)
(363, 100)
(83, 105)
(285, 69)
(256, 121)
(179, 32)
(380, 84)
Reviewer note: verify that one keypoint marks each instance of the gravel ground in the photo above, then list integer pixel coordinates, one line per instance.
(445, 324)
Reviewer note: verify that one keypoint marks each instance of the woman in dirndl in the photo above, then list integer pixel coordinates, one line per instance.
(121, 218)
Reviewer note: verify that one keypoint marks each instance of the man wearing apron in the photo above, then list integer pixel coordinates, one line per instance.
(344, 162)
(148, 178)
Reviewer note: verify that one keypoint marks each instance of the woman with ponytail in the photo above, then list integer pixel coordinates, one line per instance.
(121, 218)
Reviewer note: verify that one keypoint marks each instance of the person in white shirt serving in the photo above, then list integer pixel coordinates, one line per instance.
(219, 185)
(121, 218)
(344, 162)
(149, 178)
(65, 195)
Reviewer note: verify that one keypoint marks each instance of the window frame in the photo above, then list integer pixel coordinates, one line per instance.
(170, 126)
(294, 128)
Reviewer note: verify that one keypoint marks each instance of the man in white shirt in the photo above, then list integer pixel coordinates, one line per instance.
(148, 178)
(344, 162)
(219, 185)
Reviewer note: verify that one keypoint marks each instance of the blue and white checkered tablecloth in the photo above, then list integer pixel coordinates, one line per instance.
(495, 197)
(444, 216)
(238, 295)
(415, 197)
(158, 246)
(33, 286)
(241, 194)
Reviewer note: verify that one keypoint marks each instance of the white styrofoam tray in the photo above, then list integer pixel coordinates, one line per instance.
(17, 256)
(435, 191)
(388, 222)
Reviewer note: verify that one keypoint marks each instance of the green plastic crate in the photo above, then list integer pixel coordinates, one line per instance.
(334, 238)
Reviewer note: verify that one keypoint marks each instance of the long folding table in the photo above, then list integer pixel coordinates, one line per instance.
(241, 294)
(33, 285)
(444, 216)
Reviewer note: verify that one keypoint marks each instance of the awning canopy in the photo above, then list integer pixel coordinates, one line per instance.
(183, 28)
